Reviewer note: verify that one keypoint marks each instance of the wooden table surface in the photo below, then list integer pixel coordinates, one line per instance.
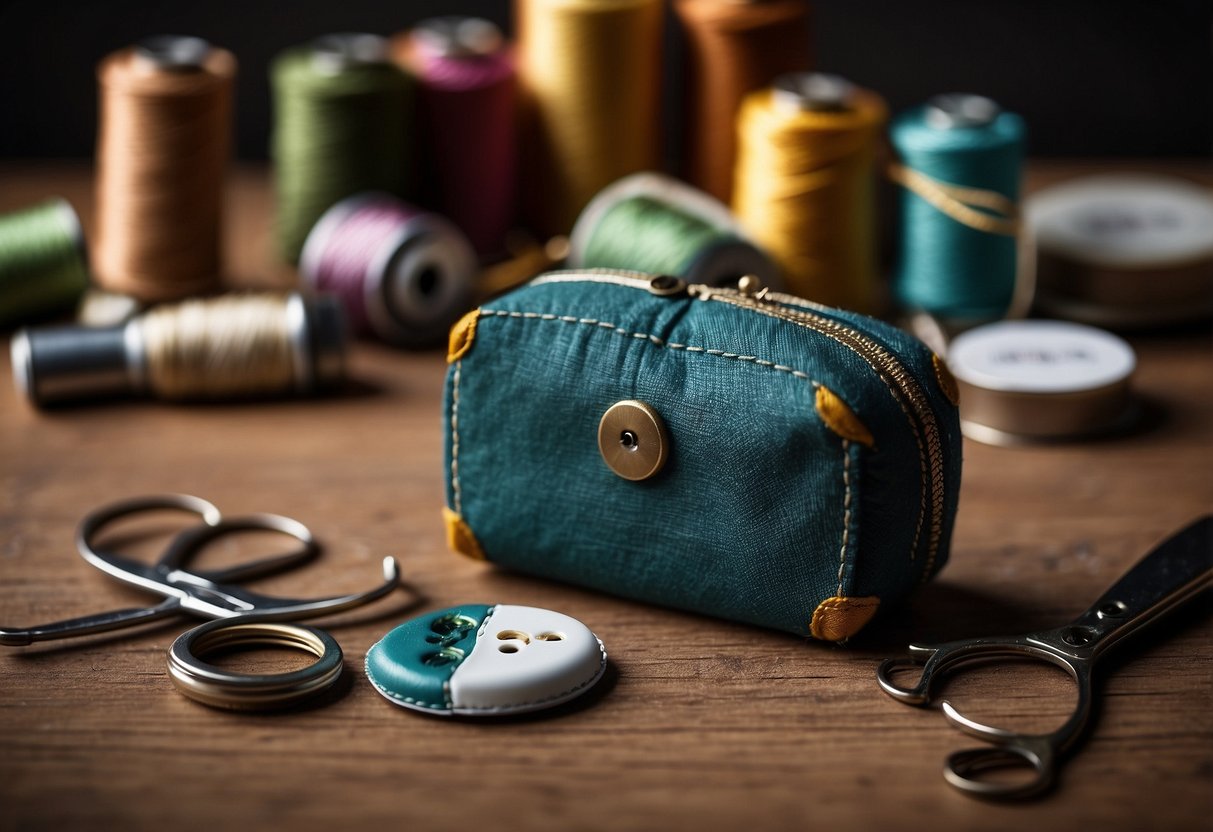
(699, 724)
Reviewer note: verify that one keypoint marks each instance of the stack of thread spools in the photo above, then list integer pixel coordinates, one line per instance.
(414, 173)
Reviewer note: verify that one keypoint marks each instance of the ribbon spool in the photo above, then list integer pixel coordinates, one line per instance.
(466, 113)
(162, 151)
(1124, 251)
(43, 265)
(403, 274)
(805, 184)
(220, 348)
(342, 112)
(590, 72)
(961, 160)
(651, 223)
(733, 48)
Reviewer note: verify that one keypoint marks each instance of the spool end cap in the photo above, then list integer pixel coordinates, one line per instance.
(960, 109)
(816, 91)
(174, 53)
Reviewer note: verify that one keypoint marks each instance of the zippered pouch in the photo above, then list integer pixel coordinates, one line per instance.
(732, 452)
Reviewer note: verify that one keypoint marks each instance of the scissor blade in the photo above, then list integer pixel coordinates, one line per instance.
(86, 625)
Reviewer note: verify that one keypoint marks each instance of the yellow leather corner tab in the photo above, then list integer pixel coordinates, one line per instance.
(841, 419)
(837, 619)
(459, 536)
(947, 382)
(463, 333)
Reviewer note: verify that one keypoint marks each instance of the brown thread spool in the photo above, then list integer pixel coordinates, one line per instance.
(162, 150)
(733, 48)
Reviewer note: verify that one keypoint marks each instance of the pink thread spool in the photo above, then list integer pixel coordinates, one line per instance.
(466, 94)
(402, 274)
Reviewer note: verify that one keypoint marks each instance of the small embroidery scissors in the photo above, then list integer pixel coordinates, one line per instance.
(207, 594)
(1174, 572)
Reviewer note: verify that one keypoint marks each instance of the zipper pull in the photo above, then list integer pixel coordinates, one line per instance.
(750, 286)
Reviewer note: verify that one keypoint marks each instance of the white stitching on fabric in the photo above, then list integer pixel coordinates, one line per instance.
(455, 439)
(618, 330)
(846, 511)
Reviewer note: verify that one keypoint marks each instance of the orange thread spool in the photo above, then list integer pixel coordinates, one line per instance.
(733, 48)
(162, 150)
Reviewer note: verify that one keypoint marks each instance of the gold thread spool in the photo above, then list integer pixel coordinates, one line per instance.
(733, 48)
(162, 150)
(805, 184)
(590, 71)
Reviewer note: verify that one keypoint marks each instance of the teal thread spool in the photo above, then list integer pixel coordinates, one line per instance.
(961, 163)
(341, 126)
(651, 223)
(43, 266)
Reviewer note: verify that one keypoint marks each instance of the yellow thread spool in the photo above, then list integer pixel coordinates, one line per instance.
(805, 184)
(590, 72)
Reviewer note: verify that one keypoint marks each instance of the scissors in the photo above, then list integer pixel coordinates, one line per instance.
(1174, 572)
(207, 594)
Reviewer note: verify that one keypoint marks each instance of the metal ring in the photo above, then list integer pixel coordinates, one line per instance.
(221, 688)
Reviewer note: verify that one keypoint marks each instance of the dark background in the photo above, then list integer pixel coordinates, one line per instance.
(1092, 77)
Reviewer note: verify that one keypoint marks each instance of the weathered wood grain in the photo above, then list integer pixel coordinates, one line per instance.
(700, 724)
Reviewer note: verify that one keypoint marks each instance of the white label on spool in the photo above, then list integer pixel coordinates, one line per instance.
(1128, 222)
(1040, 357)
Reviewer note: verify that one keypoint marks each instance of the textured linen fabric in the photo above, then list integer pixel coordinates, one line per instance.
(761, 511)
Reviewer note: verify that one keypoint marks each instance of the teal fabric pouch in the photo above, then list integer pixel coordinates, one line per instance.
(732, 452)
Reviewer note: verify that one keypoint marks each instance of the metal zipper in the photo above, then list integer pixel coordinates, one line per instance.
(906, 390)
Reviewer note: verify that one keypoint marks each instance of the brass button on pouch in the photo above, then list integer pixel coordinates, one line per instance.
(632, 440)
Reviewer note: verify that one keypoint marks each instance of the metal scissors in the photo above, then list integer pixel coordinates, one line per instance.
(207, 594)
(1174, 572)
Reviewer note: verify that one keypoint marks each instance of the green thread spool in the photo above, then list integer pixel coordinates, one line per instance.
(341, 126)
(652, 223)
(43, 266)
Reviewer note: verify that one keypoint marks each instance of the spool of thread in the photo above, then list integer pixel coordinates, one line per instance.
(43, 265)
(466, 115)
(221, 348)
(1124, 250)
(162, 150)
(652, 223)
(804, 189)
(961, 158)
(402, 274)
(733, 48)
(1023, 381)
(590, 72)
(342, 112)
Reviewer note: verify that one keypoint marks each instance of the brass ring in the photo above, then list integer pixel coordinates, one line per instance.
(221, 688)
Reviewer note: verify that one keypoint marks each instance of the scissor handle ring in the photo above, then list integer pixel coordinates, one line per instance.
(963, 770)
(233, 690)
(917, 695)
(102, 517)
